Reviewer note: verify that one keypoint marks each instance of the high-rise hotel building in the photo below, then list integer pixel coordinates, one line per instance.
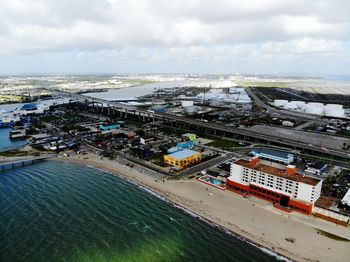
(283, 187)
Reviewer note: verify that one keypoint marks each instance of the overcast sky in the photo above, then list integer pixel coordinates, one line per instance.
(175, 36)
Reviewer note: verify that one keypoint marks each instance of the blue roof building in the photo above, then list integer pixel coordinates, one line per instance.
(184, 145)
(29, 107)
(109, 127)
(179, 155)
(273, 155)
(173, 150)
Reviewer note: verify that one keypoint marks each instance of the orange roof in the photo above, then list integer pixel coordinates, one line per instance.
(278, 172)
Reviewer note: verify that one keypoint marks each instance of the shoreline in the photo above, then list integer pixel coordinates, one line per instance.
(183, 208)
(260, 225)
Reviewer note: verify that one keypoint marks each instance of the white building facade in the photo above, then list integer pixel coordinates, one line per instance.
(276, 185)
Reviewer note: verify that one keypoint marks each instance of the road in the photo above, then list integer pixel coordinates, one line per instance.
(205, 165)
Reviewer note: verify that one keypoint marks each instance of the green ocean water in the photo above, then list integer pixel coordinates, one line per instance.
(55, 211)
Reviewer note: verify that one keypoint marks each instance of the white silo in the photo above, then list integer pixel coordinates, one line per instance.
(313, 109)
(232, 90)
(334, 112)
(316, 104)
(186, 103)
(299, 104)
(215, 101)
(290, 106)
(334, 106)
(280, 102)
(190, 110)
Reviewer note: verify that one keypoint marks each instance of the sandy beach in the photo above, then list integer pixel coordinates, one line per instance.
(252, 219)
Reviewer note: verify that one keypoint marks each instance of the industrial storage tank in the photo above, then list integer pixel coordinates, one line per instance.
(334, 106)
(215, 102)
(232, 90)
(190, 110)
(244, 98)
(280, 102)
(313, 109)
(186, 103)
(316, 104)
(290, 106)
(299, 104)
(334, 112)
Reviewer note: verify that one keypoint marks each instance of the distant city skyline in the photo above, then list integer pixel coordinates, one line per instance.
(193, 36)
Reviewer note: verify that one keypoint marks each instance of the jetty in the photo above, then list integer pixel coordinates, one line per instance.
(22, 162)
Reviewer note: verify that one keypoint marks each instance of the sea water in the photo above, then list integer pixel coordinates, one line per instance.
(53, 211)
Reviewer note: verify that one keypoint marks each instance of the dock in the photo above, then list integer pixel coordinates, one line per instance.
(23, 162)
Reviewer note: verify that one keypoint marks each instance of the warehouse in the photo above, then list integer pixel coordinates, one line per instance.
(274, 155)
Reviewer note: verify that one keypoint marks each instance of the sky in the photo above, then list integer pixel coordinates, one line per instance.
(182, 36)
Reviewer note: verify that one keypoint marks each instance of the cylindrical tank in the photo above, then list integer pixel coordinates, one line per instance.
(290, 106)
(299, 103)
(334, 112)
(316, 104)
(244, 97)
(313, 109)
(190, 110)
(186, 103)
(215, 102)
(280, 102)
(334, 106)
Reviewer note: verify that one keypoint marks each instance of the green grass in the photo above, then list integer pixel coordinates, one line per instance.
(74, 127)
(223, 143)
(14, 153)
(344, 133)
(10, 98)
(49, 119)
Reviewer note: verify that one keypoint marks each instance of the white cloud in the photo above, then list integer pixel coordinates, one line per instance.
(188, 30)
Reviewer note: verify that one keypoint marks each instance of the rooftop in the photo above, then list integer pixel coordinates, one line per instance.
(278, 172)
(29, 106)
(183, 154)
(317, 165)
(272, 152)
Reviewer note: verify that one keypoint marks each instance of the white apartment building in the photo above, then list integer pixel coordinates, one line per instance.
(282, 186)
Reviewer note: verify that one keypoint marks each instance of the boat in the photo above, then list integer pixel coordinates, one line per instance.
(9, 119)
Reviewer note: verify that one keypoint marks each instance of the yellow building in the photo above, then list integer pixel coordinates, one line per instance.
(182, 158)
